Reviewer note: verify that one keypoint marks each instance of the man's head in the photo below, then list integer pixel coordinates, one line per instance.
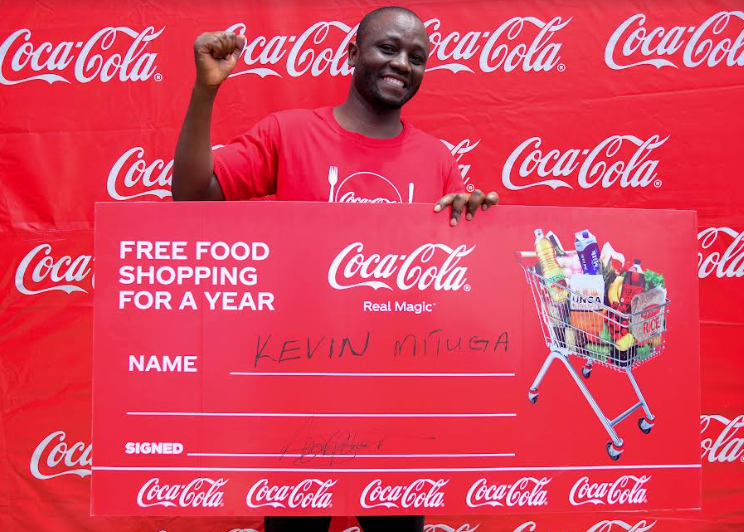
(389, 57)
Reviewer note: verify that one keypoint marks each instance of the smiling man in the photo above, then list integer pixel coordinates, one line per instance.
(360, 151)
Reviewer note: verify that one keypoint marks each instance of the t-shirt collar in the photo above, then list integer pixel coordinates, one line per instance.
(327, 114)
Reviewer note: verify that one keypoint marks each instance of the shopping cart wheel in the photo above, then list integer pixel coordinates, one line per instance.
(644, 425)
(613, 451)
(532, 396)
(586, 371)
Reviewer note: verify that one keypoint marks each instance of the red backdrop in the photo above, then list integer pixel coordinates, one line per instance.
(623, 104)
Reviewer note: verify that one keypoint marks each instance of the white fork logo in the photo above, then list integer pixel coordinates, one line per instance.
(332, 180)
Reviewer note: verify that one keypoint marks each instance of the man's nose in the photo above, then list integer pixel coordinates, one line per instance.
(401, 62)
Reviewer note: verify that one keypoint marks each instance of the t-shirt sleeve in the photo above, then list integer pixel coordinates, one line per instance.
(247, 167)
(453, 183)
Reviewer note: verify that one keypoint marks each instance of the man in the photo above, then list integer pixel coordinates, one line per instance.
(360, 151)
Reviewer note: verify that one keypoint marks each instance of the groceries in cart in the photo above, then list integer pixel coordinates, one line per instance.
(596, 304)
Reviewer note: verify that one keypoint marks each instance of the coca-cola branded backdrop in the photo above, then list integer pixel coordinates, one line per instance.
(622, 104)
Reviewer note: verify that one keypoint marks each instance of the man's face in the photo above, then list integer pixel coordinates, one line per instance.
(390, 61)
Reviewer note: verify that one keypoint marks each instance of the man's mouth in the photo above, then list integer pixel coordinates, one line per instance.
(394, 81)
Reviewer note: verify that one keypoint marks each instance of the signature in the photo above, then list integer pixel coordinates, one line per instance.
(337, 446)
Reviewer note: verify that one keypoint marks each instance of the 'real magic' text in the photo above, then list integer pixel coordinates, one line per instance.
(398, 306)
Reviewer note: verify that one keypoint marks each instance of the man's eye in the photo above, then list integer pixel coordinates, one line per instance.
(418, 60)
(387, 49)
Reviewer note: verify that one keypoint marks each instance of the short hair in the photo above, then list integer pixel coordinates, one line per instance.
(370, 17)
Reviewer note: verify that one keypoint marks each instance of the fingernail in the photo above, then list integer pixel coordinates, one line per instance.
(437, 208)
(453, 222)
(484, 207)
(469, 216)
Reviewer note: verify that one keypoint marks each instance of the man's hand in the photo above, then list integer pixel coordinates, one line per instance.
(216, 55)
(467, 202)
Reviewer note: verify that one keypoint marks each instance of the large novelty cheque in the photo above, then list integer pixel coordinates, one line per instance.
(286, 359)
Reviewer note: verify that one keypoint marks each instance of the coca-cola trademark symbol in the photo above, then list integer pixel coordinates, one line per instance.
(158, 77)
(470, 187)
(657, 183)
(561, 67)
(467, 288)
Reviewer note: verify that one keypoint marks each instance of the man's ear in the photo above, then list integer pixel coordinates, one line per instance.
(353, 53)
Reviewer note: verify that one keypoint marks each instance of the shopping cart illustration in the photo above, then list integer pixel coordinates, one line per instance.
(583, 339)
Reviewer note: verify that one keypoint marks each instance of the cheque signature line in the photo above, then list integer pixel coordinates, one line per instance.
(322, 415)
(310, 374)
(401, 470)
(278, 455)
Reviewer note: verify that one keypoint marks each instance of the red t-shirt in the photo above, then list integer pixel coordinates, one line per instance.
(305, 155)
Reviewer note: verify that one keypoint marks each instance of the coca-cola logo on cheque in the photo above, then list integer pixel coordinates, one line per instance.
(529, 44)
(713, 259)
(527, 491)
(40, 271)
(55, 457)
(618, 160)
(309, 493)
(421, 493)
(722, 438)
(718, 40)
(606, 525)
(111, 53)
(428, 266)
(199, 493)
(627, 489)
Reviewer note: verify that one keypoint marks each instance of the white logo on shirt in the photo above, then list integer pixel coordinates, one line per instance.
(377, 188)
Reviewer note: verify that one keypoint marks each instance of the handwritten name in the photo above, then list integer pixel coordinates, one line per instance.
(276, 350)
(437, 342)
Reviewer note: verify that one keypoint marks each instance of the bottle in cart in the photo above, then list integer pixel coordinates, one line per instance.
(551, 271)
(634, 284)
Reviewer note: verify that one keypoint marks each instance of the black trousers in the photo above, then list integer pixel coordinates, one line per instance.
(385, 523)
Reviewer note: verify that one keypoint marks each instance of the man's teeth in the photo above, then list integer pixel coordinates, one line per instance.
(394, 81)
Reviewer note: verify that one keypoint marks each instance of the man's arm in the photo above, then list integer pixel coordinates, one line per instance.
(215, 55)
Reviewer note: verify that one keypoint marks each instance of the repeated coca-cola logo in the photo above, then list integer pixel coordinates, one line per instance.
(721, 253)
(527, 491)
(132, 176)
(422, 493)
(723, 438)
(528, 44)
(55, 456)
(43, 270)
(201, 492)
(624, 161)
(434, 266)
(458, 151)
(309, 493)
(627, 489)
(112, 53)
(136, 174)
(718, 40)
